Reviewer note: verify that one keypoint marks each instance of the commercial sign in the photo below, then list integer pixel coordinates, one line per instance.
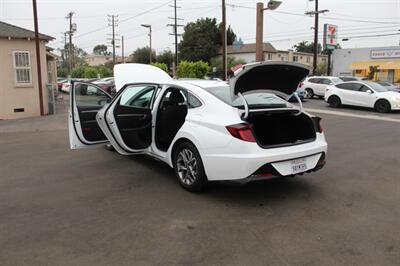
(385, 53)
(330, 36)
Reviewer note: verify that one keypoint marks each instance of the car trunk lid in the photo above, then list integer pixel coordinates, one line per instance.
(278, 77)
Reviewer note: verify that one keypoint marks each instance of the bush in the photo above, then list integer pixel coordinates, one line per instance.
(78, 72)
(62, 72)
(161, 66)
(84, 71)
(187, 69)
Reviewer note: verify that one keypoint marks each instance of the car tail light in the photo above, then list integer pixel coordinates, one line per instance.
(301, 84)
(242, 131)
(317, 123)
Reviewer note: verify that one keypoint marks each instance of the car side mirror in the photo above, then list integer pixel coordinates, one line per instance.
(369, 91)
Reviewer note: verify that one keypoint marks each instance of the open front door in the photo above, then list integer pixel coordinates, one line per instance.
(86, 100)
(128, 119)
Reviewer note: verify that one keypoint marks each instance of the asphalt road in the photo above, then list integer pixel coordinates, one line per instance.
(95, 207)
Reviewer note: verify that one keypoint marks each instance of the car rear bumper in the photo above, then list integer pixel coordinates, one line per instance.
(246, 165)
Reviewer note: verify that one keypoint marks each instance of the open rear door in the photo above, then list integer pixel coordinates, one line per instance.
(127, 120)
(86, 100)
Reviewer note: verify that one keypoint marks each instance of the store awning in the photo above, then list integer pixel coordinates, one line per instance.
(382, 65)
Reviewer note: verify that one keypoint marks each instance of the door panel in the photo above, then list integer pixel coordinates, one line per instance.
(86, 100)
(134, 125)
(129, 118)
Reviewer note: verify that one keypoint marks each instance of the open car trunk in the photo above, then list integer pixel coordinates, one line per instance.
(282, 129)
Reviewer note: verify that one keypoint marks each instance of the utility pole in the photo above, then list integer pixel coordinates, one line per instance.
(175, 26)
(122, 48)
(149, 27)
(272, 5)
(70, 50)
(259, 32)
(316, 13)
(38, 66)
(112, 21)
(224, 42)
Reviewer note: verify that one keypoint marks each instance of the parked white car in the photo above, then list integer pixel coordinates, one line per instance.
(205, 130)
(365, 94)
(316, 86)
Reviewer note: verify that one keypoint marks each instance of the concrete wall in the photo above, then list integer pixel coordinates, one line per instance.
(342, 58)
(14, 96)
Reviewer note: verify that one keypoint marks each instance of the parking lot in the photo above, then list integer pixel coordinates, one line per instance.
(95, 207)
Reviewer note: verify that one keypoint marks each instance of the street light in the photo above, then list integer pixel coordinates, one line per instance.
(149, 27)
(271, 5)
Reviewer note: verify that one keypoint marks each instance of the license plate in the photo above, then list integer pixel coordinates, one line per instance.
(298, 165)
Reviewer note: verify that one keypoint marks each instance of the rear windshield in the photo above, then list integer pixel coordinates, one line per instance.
(254, 100)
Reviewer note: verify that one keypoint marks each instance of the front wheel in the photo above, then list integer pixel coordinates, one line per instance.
(382, 106)
(189, 168)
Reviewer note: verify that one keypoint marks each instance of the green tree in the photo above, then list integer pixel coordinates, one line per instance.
(161, 66)
(166, 57)
(188, 69)
(306, 47)
(142, 55)
(230, 35)
(101, 49)
(62, 71)
(322, 69)
(200, 40)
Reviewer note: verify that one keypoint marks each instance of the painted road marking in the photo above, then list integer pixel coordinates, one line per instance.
(372, 117)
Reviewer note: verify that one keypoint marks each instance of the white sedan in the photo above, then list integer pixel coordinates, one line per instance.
(364, 94)
(204, 130)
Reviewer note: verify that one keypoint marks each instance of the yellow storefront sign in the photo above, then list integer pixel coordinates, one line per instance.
(382, 65)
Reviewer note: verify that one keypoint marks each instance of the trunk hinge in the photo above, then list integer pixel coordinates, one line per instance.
(300, 103)
(246, 106)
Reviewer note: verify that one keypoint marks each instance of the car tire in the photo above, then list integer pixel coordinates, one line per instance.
(382, 106)
(188, 167)
(334, 101)
(310, 93)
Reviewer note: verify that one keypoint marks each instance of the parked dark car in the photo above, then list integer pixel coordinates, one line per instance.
(107, 84)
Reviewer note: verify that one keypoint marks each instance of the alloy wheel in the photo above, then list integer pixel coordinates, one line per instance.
(187, 166)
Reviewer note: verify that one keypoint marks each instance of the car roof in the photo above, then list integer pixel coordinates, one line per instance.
(203, 83)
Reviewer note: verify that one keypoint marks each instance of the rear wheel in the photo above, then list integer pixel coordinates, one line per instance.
(189, 169)
(334, 101)
(310, 93)
(382, 106)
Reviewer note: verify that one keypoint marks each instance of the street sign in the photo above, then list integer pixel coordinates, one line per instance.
(330, 36)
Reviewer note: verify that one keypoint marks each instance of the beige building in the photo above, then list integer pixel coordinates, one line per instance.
(247, 52)
(19, 91)
(97, 60)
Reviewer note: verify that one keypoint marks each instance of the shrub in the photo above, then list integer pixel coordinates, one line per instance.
(161, 66)
(187, 69)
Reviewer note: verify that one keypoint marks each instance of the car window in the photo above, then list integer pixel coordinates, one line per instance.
(314, 80)
(89, 95)
(365, 88)
(350, 86)
(192, 101)
(326, 81)
(137, 96)
(348, 78)
(375, 86)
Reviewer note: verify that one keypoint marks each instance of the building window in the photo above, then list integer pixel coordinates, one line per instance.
(308, 59)
(22, 67)
(295, 58)
(323, 59)
(269, 56)
(282, 58)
